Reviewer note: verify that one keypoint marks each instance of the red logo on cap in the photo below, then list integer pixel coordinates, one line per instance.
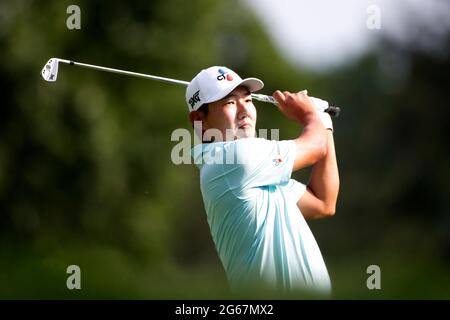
(224, 75)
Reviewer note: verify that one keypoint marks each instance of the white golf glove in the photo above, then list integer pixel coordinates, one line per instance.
(321, 106)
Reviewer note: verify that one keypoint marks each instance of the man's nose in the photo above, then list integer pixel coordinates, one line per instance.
(242, 109)
(242, 105)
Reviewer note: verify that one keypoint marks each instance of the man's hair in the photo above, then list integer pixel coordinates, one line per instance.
(204, 109)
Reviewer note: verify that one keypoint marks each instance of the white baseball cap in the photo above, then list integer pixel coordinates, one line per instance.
(216, 83)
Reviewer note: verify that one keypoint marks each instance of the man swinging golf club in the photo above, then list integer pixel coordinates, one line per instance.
(255, 211)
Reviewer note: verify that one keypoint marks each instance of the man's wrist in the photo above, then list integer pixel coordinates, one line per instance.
(326, 120)
(308, 117)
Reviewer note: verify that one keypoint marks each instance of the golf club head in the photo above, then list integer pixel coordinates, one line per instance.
(50, 70)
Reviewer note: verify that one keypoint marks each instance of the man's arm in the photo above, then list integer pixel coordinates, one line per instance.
(320, 198)
(311, 144)
(315, 146)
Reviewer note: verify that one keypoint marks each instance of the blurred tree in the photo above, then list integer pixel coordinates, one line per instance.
(85, 169)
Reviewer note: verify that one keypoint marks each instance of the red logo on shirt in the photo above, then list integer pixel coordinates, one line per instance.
(277, 160)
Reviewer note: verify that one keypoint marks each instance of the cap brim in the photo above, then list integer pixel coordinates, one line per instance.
(253, 85)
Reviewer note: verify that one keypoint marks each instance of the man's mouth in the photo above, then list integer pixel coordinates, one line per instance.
(245, 125)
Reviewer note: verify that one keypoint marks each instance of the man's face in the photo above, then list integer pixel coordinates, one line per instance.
(234, 116)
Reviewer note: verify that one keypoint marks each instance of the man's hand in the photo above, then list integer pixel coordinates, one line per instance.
(295, 106)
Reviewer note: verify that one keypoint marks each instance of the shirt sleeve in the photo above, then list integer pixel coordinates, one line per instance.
(294, 189)
(262, 162)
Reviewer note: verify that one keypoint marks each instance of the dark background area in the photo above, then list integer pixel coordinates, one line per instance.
(86, 175)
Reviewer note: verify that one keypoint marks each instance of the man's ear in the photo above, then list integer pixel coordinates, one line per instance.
(197, 116)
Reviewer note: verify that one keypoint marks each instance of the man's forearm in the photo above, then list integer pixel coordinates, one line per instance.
(311, 144)
(324, 182)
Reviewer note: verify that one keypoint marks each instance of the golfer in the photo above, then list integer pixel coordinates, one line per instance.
(256, 212)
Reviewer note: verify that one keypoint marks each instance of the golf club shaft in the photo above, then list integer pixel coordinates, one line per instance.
(333, 111)
(128, 73)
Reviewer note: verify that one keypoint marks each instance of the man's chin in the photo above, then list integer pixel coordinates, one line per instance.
(243, 133)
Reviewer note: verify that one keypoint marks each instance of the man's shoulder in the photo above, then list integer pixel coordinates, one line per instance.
(239, 152)
(252, 142)
(261, 144)
(243, 144)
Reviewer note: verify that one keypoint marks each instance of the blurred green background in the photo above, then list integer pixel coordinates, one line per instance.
(86, 176)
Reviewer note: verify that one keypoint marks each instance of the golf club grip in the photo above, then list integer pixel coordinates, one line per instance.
(331, 110)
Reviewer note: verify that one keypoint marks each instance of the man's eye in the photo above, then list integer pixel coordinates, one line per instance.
(248, 100)
(231, 102)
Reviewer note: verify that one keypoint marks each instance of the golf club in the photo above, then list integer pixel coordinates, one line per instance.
(50, 73)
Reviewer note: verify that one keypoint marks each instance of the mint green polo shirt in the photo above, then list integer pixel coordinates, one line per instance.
(260, 234)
